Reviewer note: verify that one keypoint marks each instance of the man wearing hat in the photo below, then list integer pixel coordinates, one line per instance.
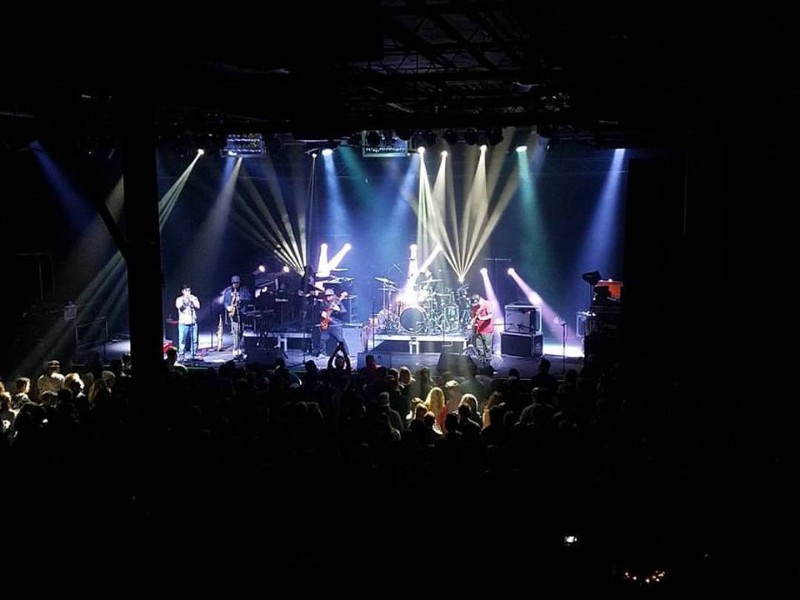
(482, 323)
(332, 315)
(51, 380)
(235, 298)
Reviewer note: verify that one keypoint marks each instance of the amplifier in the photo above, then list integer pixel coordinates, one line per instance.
(523, 318)
(521, 344)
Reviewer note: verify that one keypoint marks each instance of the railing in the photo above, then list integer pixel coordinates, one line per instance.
(91, 333)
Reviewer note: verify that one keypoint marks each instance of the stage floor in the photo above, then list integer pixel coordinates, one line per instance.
(393, 350)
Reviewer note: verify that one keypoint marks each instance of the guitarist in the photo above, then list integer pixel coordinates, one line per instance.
(482, 324)
(235, 298)
(331, 324)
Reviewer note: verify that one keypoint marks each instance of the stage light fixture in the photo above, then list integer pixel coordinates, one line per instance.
(592, 277)
(429, 137)
(451, 137)
(495, 136)
(244, 145)
(471, 136)
(373, 138)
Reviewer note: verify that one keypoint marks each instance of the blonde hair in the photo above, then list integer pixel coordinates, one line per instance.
(471, 401)
(435, 400)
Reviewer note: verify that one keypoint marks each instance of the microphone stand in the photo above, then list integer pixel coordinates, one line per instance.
(563, 324)
(374, 325)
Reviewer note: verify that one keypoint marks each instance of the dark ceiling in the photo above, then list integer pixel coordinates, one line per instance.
(627, 75)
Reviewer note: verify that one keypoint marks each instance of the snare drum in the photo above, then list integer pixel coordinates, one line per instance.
(412, 319)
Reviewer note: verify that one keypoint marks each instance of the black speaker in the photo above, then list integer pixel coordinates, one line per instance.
(520, 344)
(264, 356)
(391, 360)
(457, 364)
(251, 342)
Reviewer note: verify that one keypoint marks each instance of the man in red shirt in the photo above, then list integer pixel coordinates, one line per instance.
(482, 323)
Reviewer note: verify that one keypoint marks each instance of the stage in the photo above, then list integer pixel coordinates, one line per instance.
(390, 350)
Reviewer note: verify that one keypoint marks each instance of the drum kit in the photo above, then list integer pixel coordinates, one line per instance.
(423, 312)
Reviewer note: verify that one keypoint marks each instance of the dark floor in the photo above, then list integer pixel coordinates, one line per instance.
(390, 353)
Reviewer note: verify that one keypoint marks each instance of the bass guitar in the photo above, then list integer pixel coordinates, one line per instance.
(325, 320)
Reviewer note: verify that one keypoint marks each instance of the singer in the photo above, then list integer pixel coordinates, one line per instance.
(188, 333)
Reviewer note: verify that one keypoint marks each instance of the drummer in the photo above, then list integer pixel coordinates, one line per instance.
(423, 285)
(424, 281)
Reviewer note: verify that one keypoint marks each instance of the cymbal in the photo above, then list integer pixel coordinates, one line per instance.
(431, 280)
(387, 288)
(384, 280)
(338, 270)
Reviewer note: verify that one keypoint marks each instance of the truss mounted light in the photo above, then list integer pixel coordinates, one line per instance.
(244, 145)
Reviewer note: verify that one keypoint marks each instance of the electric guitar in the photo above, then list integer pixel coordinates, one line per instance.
(475, 322)
(325, 320)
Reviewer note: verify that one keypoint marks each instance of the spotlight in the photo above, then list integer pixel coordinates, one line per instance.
(545, 130)
(200, 152)
(471, 136)
(495, 136)
(592, 277)
(373, 139)
(451, 137)
(429, 137)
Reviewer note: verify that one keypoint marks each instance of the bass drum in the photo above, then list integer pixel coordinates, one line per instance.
(412, 319)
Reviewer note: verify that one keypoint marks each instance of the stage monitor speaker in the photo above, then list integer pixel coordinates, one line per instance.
(519, 344)
(390, 360)
(522, 318)
(264, 356)
(256, 343)
(457, 364)
(352, 336)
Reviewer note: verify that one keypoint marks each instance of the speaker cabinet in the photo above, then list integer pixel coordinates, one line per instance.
(519, 344)
(391, 360)
(263, 356)
(352, 337)
(522, 318)
(457, 364)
